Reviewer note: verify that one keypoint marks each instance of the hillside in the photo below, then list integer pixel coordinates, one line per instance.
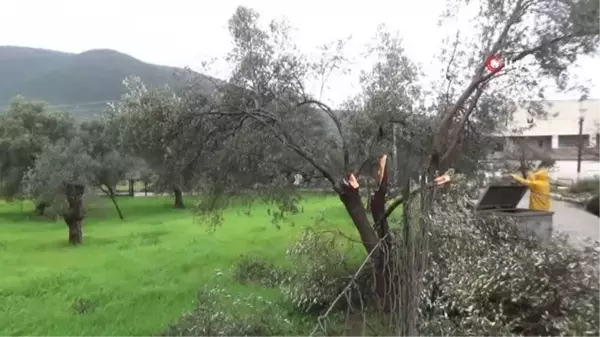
(80, 82)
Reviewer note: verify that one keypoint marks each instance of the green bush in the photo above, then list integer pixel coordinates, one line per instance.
(587, 185)
(218, 313)
(486, 280)
(321, 272)
(593, 205)
(253, 269)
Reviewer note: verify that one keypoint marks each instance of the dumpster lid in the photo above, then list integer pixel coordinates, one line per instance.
(501, 197)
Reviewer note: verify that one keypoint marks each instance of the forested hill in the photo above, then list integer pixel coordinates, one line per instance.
(78, 82)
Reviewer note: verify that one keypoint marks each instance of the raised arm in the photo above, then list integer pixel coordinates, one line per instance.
(519, 179)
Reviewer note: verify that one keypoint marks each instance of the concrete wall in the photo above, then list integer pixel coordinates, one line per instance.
(539, 142)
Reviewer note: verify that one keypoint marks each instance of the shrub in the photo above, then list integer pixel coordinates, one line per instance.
(586, 185)
(253, 269)
(218, 313)
(321, 272)
(485, 279)
(593, 205)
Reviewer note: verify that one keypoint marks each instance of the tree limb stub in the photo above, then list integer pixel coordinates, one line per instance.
(351, 181)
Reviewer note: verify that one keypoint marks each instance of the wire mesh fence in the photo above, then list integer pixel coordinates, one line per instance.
(389, 303)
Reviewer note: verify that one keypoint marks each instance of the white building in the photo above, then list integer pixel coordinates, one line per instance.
(557, 136)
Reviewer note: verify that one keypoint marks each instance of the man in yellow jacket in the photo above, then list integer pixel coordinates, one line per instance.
(539, 189)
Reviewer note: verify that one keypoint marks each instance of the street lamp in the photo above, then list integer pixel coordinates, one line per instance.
(580, 144)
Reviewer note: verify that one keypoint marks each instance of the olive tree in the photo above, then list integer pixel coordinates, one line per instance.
(535, 40)
(110, 163)
(61, 174)
(141, 171)
(267, 94)
(25, 129)
(152, 127)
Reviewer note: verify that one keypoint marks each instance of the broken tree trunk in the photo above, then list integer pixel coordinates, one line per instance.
(75, 213)
(383, 264)
(385, 276)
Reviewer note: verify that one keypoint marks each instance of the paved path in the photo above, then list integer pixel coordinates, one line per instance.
(572, 220)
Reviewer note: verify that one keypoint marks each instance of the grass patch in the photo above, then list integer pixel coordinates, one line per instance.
(135, 277)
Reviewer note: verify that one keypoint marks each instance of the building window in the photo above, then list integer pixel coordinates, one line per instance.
(540, 143)
(572, 141)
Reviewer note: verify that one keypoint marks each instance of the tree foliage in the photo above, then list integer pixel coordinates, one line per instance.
(111, 164)
(164, 129)
(537, 40)
(60, 165)
(25, 129)
(485, 278)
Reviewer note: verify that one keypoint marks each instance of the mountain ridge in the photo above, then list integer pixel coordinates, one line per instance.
(71, 79)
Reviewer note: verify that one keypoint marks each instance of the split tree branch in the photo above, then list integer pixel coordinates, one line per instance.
(459, 127)
(475, 82)
(338, 126)
(372, 143)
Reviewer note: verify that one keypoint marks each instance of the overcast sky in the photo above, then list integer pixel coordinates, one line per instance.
(186, 32)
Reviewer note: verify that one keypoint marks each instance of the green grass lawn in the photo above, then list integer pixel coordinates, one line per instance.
(140, 274)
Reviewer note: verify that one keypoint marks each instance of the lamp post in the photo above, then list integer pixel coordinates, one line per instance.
(580, 144)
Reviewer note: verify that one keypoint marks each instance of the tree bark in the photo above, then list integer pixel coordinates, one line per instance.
(350, 197)
(74, 215)
(131, 190)
(40, 208)
(178, 197)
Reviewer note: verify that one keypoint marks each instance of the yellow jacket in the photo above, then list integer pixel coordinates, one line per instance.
(539, 189)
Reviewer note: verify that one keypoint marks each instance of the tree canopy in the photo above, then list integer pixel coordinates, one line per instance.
(24, 131)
